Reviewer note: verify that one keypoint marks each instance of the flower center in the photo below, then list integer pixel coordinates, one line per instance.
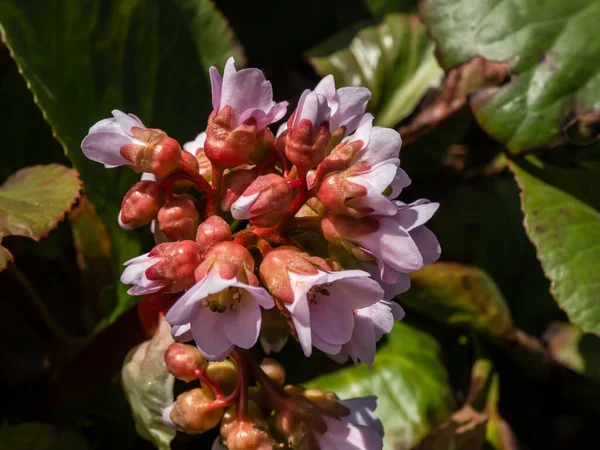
(315, 291)
(227, 299)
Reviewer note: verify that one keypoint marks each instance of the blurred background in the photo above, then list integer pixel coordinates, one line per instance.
(500, 117)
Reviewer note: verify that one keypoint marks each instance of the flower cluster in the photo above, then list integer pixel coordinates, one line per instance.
(230, 211)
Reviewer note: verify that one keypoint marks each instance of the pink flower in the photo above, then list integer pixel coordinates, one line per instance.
(135, 274)
(370, 325)
(248, 93)
(105, 139)
(400, 243)
(222, 309)
(362, 174)
(359, 431)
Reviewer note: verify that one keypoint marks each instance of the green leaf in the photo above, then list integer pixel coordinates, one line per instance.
(380, 7)
(562, 219)
(39, 436)
(409, 380)
(553, 54)
(33, 201)
(578, 351)
(81, 59)
(393, 59)
(459, 294)
(148, 386)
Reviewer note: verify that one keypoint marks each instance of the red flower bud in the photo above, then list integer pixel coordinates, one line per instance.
(193, 411)
(339, 230)
(235, 182)
(175, 265)
(307, 145)
(159, 154)
(225, 145)
(248, 436)
(183, 360)
(179, 218)
(204, 165)
(264, 202)
(212, 231)
(141, 204)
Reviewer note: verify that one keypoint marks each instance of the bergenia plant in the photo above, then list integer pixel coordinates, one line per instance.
(226, 212)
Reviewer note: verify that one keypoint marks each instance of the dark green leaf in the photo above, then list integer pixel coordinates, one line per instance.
(393, 59)
(553, 53)
(34, 200)
(148, 386)
(562, 219)
(39, 436)
(409, 380)
(459, 294)
(83, 58)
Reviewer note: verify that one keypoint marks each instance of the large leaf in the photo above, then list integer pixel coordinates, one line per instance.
(393, 59)
(553, 52)
(562, 218)
(148, 386)
(459, 294)
(83, 58)
(33, 201)
(409, 380)
(39, 436)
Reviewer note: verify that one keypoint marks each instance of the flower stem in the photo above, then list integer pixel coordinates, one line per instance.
(203, 186)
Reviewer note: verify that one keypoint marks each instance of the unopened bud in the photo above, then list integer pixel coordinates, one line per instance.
(175, 264)
(230, 417)
(161, 155)
(274, 370)
(235, 182)
(327, 401)
(179, 218)
(265, 142)
(308, 134)
(223, 373)
(183, 360)
(264, 202)
(193, 412)
(191, 161)
(247, 436)
(225, 145)
(141, 204)
(211, 231)
(335, 192)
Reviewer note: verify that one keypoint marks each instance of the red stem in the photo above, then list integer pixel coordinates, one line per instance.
(216, 390)
(203, 186)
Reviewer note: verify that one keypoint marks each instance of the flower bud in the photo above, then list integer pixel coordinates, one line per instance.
(276, 265)
(327, 401)
(141, 204)
(212, 231)
(204, 165)
(265, 142)
(183, 360)
(175, 264)
(339, 230)
(151, 307)
(230, 260)
(228, 145)
(296, 433)
(193, 411)
(264, 202)
(159, 154)
(229, 420)
(336, 190)
(235, 182)
(308, 133)
(274, 370)
(179, 218)
(223, 373)
(247, 436)
(274, 331)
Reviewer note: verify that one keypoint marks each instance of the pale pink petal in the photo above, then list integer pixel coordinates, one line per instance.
(246, 89)
(207, 329)
(332, 349)
(182, 333)
(105, 148)
(332, 318)
(127, 121)
(362, 346)
(135, 275)
(122, 224)
(384, 144)
(401, 180)
(258, 294)
(357, 289)
(240, 209)
(363, 132)
(375, 181)
(198, 142)
(340, 357)
(283, 127)
(216, 82)
(428, 244)
(327, 87)
(352, 104)
(242, 324)
(400, 284)
(344, 436)
(301, 319)
(166, 417)
(362, 412)
(148, 177)
(415, 214)
(312, 106)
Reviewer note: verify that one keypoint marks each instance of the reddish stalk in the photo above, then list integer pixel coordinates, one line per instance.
(203, 186)
(202, 376)
(242, 382)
